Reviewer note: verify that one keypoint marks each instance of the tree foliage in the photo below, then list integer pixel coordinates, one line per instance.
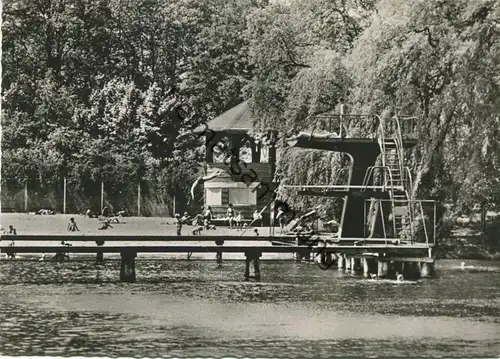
(101, 89)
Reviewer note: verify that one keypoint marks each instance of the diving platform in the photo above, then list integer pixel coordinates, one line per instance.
(329, 142)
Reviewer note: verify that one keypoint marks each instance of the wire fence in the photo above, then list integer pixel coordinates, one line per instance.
(68, 195)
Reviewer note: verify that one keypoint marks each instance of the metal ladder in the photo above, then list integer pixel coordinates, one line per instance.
(398, 185)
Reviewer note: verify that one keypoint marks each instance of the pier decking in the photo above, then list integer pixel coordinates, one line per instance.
(352, 249)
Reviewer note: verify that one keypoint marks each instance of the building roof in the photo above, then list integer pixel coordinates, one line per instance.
(236, 119)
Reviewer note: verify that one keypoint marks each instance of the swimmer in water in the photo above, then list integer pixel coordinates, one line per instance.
(399, 277)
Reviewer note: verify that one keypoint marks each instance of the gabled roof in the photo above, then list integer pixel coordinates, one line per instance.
(236, 119)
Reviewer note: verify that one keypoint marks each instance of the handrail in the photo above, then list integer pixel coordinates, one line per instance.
(410, 179)
(380, 139)
(399, 142)
(383, 222)
(423, 223)
(344, 207)
(369, 174)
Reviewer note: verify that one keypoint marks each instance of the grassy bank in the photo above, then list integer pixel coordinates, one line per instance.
(460, 249)
(465, 240)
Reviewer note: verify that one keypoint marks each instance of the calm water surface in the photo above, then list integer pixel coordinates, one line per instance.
(179, 308)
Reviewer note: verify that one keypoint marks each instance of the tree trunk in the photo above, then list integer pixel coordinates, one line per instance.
(483, 221)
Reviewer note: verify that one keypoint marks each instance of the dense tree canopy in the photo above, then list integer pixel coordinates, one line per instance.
(100, 89)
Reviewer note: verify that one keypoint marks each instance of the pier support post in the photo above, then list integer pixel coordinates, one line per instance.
(247, 268)
(369, 266)
(127, 268)
(356, 264)
(100, 255)
(347, 263)
(426, 269)
(340, 261)
(297, 256)
(255, 258)
(256, 268)
(411, 270)
(383, 269)
(218, 256)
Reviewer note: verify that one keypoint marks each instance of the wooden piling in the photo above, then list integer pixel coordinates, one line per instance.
(383, 269)
(247, 268)
(356, 264)
(127, 268)
(340, 261)
(218, 256)
(256, 268)
(254, 257)
(347, 261)
(369, 266)
(426, 269)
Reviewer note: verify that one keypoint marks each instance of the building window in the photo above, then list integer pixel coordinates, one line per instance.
(214, 196)
(243, 196)
(264, 154)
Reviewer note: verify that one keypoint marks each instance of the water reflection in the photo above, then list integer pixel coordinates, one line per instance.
(199, 309)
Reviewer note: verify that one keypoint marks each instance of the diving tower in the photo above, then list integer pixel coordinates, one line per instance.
(377, 193)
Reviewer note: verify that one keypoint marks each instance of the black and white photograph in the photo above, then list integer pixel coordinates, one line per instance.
(250, 179)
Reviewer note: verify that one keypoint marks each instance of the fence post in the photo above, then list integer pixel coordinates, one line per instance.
(102, 195)
(139, 200)
(64, 196)
(26, 196)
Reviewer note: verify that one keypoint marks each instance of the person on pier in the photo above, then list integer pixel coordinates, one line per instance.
(239, 221)
(230, 215)
(280, 216)
(257, 218)
(105, 225)
(178, 223)
(186, 218)
(12, 230)
(72, 227)
(105, 212)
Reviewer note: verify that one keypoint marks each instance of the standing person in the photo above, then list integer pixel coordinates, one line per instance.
(257, 217)
(105, 211)
(12, 230)
(281, 218)
(178, 222)
(72, 227)
(230, 215)
(207, 217)
(237, 219)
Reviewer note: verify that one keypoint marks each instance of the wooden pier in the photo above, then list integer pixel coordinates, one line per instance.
(341, 251)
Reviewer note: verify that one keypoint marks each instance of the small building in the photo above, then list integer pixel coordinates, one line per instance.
(246, 162)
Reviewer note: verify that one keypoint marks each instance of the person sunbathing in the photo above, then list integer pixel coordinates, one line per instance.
(72, 227)
(105, 225)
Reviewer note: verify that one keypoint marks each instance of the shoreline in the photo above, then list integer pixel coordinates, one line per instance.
(464, 244)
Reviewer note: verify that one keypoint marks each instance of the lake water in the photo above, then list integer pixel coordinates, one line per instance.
(193, 309)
